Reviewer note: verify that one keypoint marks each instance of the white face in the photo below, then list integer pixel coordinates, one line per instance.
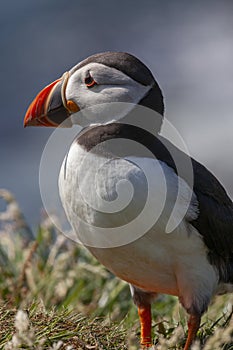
(111, 86)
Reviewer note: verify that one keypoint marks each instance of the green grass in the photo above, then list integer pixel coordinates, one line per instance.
(70, 301)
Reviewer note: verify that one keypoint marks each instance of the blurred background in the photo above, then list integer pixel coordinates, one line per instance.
(187, 45)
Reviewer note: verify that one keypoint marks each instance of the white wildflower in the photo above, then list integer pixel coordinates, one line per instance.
(196, 346)
(24, 335)
(56, 346)
(220, 337)
(21, 321)
(165, 344)
(13, 344)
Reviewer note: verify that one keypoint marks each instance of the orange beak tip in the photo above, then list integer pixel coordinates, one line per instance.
(36, 113)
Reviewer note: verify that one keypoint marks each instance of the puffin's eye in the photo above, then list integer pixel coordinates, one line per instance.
(89, 81)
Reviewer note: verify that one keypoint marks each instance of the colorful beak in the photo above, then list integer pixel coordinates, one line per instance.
(50, 108)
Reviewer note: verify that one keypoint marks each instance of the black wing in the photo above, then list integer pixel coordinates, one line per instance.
(215, 219)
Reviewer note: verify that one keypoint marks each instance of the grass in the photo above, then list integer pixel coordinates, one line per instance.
(55, 295)
(36, 328)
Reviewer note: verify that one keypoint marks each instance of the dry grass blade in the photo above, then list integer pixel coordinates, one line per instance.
(63, 289)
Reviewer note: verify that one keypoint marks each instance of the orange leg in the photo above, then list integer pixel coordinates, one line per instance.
(193, 325)
(145, 321)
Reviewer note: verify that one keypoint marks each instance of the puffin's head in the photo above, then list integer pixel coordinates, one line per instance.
(102, 78)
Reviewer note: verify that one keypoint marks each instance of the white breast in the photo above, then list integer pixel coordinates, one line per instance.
(103, 198)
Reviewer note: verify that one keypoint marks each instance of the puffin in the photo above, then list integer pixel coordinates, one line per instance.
(120, 150)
